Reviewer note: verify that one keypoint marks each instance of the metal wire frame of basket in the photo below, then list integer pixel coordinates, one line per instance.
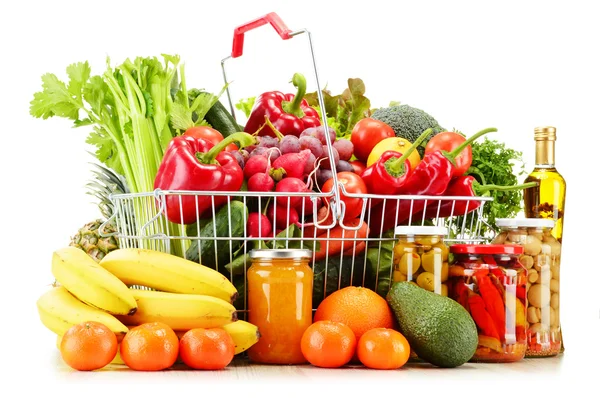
(142, 221)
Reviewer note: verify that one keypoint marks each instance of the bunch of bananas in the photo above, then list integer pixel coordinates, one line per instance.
(184, 295)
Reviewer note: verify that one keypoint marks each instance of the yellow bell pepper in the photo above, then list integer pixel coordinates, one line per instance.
(393, 144)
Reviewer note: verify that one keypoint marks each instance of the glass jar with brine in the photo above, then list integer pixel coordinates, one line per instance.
(541, 256)
(421, 256)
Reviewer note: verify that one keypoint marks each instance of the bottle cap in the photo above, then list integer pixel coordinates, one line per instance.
(545, 133)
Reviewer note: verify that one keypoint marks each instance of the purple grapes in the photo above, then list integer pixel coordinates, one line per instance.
(319, 133)
(326, 164)
(289, 144)
(239, 157)
(313, 144)
(343, 165)
(323, 175)
(345, 148)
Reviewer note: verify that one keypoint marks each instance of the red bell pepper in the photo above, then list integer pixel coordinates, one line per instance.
(391, 171)
(466, 186)
(430, 178)
(494, 304)
(289, 113)
(196, 164)
(483, 319)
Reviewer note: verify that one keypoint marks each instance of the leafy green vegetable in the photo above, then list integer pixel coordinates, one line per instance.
(495, 163)
(344, 110)
(379, 263)
(246, 105)
(334, 274)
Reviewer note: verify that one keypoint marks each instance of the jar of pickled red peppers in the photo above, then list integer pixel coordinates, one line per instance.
(490, 283)
(541, 256)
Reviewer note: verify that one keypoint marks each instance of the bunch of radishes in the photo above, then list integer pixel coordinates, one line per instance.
(288, 165)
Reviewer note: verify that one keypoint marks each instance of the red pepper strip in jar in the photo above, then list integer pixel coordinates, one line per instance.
(493, 303)
(481, 317)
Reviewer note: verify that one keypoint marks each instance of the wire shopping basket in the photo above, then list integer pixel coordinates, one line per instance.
(359, 252)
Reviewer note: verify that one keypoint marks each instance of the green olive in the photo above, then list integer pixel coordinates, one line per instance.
(409, 263)
(426, 280)
(430, 259)
(402, 248)
(427, 240)
(444, 250)
(444, 291)
(444, 272)
(398, 276)
(539, 295)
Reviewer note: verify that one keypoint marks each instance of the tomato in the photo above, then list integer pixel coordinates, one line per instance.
(358, 166)
(449, 141)
(353, 184)
(366, 134)
(209, 134)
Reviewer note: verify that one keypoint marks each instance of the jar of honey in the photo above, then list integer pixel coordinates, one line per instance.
(280, 283)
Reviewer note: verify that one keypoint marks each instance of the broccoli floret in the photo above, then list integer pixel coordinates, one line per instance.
(408, 122)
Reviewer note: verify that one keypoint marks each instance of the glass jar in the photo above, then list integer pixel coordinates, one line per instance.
(421, 256)
(490, 282)
(541, 256)
(280, 286)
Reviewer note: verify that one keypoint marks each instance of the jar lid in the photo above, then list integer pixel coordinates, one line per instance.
(420, 230)
(525, 222)
(486, 249)
(280, 253)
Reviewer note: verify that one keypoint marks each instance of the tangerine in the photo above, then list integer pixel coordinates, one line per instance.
(207, 349)
(88, 346)
(359, 308)
(382, 348)
(328, 344)
(150, 346)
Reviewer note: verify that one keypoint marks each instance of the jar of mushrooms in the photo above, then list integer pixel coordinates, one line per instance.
(541, 258)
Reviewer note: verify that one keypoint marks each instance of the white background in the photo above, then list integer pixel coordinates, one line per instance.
(513, 65)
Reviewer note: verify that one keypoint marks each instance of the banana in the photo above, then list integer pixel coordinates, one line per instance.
(167, 273)
(91, 283)
(179, 310)
(59, 310)
(244, 334)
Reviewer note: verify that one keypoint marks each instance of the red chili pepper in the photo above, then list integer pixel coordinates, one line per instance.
(494, 303)
(195, 164)
(391, 171)
(482, 318)
(465, 186)
(289, 113)
(430, 178)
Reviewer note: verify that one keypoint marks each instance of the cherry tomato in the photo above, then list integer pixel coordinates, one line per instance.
(449, 141)
(353, 184)
(358, 166)
(209, 134)
(366, 134)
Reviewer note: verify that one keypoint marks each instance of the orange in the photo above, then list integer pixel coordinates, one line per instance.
(207, 349)
(150, 346)
(328, 344)
(383, 349)
(88, 346)
(357, 307)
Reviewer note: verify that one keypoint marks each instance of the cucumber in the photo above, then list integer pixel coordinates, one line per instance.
(221, 120)
(216, 253)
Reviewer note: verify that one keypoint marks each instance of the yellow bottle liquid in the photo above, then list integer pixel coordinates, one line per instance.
(547, 200)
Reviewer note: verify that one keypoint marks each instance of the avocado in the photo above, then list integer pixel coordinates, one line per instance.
(438, 329)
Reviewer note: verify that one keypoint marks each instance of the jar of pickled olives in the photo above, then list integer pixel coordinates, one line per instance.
(421, 256)
(541, 257)
(489, 282)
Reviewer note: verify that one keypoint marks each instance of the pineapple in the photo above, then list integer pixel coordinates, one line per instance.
(88, 237)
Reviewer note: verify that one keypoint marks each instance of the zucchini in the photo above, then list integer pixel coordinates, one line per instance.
(221, 120)
(216, 253)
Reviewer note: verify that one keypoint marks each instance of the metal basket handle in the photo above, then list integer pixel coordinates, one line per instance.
(285, 33)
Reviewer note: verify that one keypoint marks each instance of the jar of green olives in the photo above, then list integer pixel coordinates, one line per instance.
(421, 256)
(541, 256)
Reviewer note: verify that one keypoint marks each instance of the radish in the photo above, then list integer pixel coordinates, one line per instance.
(281, 217)
(261, 182)
(256, 164)
(258, 225)
(293, 163)
(290, 184)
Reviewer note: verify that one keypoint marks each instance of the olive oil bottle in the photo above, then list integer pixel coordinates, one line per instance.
(547, 200)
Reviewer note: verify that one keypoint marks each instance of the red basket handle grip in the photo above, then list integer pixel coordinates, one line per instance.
(272, 18)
